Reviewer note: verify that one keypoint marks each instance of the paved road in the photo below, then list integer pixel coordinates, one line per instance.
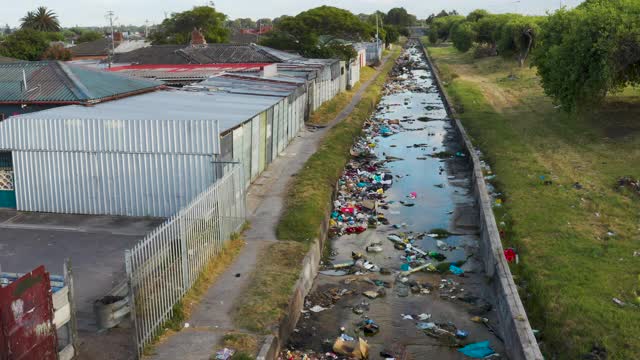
(212, 318)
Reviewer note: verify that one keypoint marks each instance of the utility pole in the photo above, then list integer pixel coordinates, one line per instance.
(146, 28)
(110, 15)
(377, 36)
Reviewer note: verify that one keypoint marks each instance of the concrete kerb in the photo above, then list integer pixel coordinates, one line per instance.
(310, 267)
(514, 326)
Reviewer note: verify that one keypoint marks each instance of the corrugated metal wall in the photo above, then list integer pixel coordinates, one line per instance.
(109, 183)
(99, 135)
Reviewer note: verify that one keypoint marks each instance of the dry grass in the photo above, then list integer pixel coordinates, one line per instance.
(210, 274)
(182, 310)
(266, 299)
(242, 343)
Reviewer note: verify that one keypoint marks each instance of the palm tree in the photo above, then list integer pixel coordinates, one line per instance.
(42, 20)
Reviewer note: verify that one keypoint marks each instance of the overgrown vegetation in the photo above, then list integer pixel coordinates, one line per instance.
(266, 299)
(309, 195)
(576, 242)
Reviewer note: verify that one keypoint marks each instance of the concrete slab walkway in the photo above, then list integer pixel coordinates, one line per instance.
(212, 318)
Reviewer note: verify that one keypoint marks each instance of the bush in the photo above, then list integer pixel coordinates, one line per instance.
(590, 51)
(462, 36)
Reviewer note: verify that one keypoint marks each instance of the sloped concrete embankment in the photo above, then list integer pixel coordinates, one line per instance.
(514, 327)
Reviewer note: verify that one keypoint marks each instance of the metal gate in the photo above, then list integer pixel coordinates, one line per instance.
(27, 331)
(7, 188)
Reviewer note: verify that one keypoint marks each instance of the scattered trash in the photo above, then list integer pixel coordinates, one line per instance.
(317, 309)
(369, 327)
(619, 302)
(424, 317)
(225, 354)
(353, 349)
(461, 334)
(456, 270)
(511, 255)
(478, 350)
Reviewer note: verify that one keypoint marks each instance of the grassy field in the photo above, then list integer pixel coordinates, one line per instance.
(576, 243)
(309, 195)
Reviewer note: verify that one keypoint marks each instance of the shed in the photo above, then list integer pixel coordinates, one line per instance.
(147, 155)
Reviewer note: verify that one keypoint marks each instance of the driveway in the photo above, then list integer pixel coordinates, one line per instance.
(95, 245)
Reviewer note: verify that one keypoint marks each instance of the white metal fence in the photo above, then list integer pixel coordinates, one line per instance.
(166, 263)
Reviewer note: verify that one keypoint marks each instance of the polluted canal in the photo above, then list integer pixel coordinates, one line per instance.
(403, 280)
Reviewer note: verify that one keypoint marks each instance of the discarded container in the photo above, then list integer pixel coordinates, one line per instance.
(353, 349)
(456, 270)
(477, 350)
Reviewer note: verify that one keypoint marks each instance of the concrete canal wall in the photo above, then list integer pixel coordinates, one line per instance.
(514, 326)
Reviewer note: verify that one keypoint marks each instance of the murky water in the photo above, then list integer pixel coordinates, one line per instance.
(443, 201)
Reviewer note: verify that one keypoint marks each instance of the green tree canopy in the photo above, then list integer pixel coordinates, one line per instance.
(42, 19)
(399, 17)
(590, 51)
(24, 44)
(463, 35)
(488, 29)
(89, 35)
(518, 36)
(441, 27)
(177, 29)
(303, 32)
(476, 15)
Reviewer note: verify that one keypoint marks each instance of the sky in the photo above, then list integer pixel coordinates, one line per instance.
(136, 12)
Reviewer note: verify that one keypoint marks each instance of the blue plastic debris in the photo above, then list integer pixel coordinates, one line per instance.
(456, 270)
(477, 350)
(461, 334)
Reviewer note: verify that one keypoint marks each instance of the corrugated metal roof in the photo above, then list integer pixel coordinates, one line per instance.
(99, 47)
(184, 74)
(57, 82)
(238, 84)
(229, 109)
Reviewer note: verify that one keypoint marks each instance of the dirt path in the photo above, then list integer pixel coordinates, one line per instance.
(212, 318)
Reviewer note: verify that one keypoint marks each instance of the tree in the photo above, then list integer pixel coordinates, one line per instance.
(177, 29)
(89, 35)
(462, 35)
(391, 34)
(316, 32)
(24, 44)
(476, 15)
(399, 17)
(7, 30)
(242, 23)
(42, 20)
(441, 27)
(518, 37)
(488, 29)
(589, 52)
(57, 52)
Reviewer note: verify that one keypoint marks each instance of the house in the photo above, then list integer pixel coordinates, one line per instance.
(38, 85)
(101, 48)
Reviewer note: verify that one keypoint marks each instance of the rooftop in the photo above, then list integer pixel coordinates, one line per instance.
(200, 54)
(54, 82)
(230, 110)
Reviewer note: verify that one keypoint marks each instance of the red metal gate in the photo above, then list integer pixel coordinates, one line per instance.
(27, 331)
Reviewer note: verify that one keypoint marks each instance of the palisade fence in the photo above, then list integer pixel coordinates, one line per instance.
(166, 263)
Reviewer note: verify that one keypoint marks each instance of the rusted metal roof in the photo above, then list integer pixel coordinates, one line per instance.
(59, 83)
